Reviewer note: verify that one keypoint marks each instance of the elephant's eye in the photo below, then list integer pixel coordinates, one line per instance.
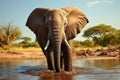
(65, 24)
(47, 24)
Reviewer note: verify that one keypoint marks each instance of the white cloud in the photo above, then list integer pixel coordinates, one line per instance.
(95, 2)
(107, 1)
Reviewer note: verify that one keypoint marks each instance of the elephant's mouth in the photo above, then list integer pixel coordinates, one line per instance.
(48, 43)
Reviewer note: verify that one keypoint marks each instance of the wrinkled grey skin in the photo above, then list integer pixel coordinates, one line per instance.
(54, 28)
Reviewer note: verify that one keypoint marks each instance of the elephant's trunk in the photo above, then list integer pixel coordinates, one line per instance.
(56, 37)
(56, 43)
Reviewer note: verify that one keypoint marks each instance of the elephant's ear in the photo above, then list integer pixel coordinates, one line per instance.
(36, 20)
(76, 21)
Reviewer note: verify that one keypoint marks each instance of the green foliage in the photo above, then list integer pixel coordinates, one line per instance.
(119, 47)
(76, 44)
(101, 35)
(111, 39)
(88, 43)
(98, 31)
(8, 34)
(26, 43)
(26, 39)
(106, 40)
(29, 44)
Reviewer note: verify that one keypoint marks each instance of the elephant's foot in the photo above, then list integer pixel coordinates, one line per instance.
(57, 71)
(50, 68)
(68, 65)
(68, 69)
(68, 72)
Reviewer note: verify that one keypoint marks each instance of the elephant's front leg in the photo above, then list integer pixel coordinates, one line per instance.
(49, 57)
(62, 61)
(67, 58)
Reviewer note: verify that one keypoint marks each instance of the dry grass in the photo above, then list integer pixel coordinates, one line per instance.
(21, 53)
(25, 49)
(35, 53)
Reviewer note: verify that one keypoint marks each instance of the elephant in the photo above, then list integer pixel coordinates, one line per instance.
(54, 30)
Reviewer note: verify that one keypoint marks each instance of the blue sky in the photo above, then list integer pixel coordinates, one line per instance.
(97, 11)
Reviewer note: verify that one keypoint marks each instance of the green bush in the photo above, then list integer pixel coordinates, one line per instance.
(88, 43)
(28, 44)
(76, 44)
(119, 47)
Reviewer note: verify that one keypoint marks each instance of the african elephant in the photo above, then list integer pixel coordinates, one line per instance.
(54, 28)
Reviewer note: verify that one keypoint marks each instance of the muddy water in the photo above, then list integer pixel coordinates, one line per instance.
(85, 69)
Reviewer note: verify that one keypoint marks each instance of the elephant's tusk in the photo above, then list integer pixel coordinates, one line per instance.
(47, 44)
(67, 44)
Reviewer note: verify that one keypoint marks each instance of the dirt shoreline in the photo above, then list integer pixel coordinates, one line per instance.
(21, 55)
(37, 54)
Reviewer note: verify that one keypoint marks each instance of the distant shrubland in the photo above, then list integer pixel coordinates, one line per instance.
(99, 35)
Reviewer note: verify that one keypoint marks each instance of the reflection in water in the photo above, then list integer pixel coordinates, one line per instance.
(107, 64)
(8, 69)
(87, 69)
(56, 76)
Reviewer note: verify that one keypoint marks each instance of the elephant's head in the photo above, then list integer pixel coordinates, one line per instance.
(56, 22)
(60, 25)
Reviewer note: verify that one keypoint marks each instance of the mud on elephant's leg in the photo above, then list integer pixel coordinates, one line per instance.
(67, 58)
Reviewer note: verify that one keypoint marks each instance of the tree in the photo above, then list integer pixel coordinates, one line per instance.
(111, 39)
(118, 35)
(26, 39)
(27, 43)
(8, 34)
(96, 32)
